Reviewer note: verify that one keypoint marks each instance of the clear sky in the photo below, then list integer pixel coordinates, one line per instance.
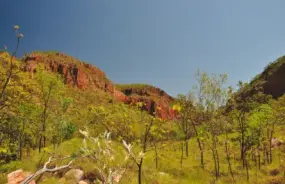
(159, 42)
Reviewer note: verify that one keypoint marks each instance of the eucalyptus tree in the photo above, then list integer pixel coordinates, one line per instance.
(211, 94)
(50, 87)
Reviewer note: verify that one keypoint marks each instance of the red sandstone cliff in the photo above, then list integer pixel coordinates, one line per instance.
(157, 102)
(74, 73)
(88, 77)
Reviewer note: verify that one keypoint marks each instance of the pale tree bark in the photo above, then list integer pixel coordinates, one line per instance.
(45, 169)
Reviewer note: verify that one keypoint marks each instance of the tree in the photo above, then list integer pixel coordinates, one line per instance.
(211, 96)
(27, 126)
(147, 124)
(226, 127)
(276, 116)
(157, 134)
(184, 106)
(50, 86)
(119, 119)
(10, 71)
(241, 104)
(14, 87)
(63, 127)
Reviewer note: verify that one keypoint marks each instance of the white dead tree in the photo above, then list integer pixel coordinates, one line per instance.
(101, 150)
(46, 169)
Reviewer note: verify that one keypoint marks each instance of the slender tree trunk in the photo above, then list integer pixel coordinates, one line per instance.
(21, 141)
(242, 141)
(156, 156)
(215, 157)
(247, 172)
(20, 148)
(215, 163)
(242, 150)
(201, 152)
(5, 85)
(270, 144)
(186, 147)
(40, 144)
(140, 164)
(44, 123)
(229, 160)
(264, 153)
(267, 156)
(258, 159)
(270, 151)
(140, 171)
(44, 136)
(44, 118)
(181, 158)
(199, 145)
(218, 162)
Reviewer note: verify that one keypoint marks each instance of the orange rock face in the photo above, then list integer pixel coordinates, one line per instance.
(74, 73)
(87, 77)
(155, 100)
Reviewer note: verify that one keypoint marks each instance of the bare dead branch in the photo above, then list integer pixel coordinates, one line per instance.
(45, 169)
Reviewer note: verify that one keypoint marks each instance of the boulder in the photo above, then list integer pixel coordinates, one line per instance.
(74, 175)
(82, 182)
(16, 177)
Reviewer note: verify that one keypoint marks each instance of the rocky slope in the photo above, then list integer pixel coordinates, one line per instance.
(157, 101)
(272, 79)
(268, 83)
(87, 77)
(74, 72)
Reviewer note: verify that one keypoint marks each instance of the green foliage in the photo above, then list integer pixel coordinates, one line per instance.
(133, 86)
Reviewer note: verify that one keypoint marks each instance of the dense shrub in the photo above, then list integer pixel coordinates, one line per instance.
(274, 172)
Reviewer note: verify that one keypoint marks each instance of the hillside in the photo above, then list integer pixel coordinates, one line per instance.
(157, 101)
(272, 78)
(90, 78)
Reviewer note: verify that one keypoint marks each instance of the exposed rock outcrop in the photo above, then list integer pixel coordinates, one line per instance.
(272, 78)
(155, 100)
(74, 72)
(87, 77)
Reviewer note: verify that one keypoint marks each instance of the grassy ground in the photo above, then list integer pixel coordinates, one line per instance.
(169, 167)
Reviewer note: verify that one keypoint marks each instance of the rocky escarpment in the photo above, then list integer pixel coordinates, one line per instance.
(268, 83)
(74, 73)
(155, 100)
(272, 78)
(87, 77)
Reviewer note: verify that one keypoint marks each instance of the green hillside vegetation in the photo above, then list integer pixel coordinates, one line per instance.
(141, 91)
(134, 86)
(54, 55)
(270, 69)
(217, 136)
(46, 57)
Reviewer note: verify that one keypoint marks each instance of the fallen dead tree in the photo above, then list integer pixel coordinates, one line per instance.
(46, 169)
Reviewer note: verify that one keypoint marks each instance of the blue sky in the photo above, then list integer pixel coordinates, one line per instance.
(159, 42)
